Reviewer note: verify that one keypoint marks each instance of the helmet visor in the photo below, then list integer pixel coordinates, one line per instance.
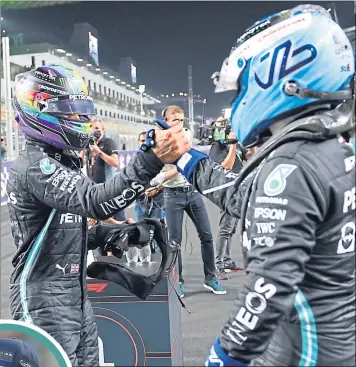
(69, 105)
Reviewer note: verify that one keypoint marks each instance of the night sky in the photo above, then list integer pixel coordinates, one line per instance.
(163, 37)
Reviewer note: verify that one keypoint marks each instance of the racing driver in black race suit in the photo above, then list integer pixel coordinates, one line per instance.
(49, 200)
(294, 77)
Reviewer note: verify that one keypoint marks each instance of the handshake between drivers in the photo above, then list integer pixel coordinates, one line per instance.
(171, 144)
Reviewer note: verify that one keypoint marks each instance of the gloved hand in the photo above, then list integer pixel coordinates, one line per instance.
(137, 234)
(219, 358)
(117, 238)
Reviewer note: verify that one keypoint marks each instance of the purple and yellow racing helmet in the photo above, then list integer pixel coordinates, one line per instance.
(52, 105)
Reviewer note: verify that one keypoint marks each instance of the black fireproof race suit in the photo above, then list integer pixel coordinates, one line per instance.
(49, 200)
(297, 304)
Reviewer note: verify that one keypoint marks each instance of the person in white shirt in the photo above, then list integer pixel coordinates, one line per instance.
(180, 197)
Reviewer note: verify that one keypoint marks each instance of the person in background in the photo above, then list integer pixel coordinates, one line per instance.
(3, 149)
(101, 161)
(148, 205)
(231, 158)
(180, 197)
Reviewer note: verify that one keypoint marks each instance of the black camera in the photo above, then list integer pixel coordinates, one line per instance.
(94, 137)
(207, 134)
(92, 140)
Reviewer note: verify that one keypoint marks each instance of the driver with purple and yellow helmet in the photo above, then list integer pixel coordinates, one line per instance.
(50, 200)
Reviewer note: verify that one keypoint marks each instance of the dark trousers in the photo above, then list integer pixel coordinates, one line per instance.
(227, 229)
(149, 209)
(191, 202)
(142, 209)
(120, 216)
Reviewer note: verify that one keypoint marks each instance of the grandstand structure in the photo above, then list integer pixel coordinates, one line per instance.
(117, 103)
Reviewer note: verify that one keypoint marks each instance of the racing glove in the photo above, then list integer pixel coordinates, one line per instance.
(117, 238)
(218, 357)
(139, 233)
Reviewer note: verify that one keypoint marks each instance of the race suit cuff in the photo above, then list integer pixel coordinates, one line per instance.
(151, 162)
(218, 357)
(188, 161)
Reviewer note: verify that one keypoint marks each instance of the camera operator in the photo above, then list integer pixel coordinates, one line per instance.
(101, 161)
(231, 158)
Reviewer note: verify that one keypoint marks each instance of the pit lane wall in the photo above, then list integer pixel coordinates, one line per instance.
(124, 158)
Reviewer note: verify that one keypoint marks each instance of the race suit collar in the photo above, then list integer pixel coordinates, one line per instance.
(66, 157)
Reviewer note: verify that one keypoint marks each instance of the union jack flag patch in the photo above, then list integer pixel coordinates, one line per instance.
(74, 268)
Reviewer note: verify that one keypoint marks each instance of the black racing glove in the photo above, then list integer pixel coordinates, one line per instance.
(117, 238)
(124, 236)
(136, 234)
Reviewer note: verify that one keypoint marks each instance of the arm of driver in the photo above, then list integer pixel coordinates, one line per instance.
(65, 190)
(216, 183)
(279, 238)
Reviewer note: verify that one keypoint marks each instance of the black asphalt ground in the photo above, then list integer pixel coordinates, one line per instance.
(208, 311)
